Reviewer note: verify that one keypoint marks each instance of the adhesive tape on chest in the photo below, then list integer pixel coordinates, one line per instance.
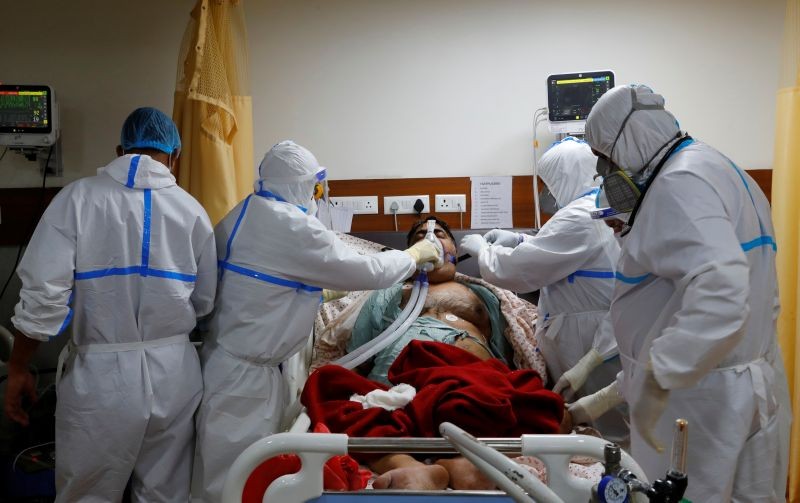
(450, 317)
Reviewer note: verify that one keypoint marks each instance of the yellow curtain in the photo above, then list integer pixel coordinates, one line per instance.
(213, 107)
(786, 216)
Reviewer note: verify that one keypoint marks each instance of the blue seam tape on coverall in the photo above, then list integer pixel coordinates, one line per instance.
(144, 269)
(132, 171)
(224, 264)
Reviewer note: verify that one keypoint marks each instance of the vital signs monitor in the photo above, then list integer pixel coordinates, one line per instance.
(571, 96)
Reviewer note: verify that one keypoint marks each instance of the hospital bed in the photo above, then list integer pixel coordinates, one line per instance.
(517, 485)
(623, 480)
(314, 449)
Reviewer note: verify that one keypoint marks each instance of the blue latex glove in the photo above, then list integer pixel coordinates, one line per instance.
(473, 244)
(502, 237)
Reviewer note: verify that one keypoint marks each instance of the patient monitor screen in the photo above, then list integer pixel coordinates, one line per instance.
(25, 109)
(571, 96)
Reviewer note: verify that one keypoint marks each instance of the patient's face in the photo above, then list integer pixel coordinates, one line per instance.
(448, 271)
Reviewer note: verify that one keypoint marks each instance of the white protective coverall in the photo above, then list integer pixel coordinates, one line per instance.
(696, 298)
(571, 262)
(275, 261)
(129, 258)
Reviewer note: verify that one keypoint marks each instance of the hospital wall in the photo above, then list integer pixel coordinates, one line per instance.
(399, 88)
(403, 88)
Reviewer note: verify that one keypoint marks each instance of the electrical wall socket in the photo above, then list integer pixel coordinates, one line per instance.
(451, 203)
(360, 205)
(406, 204)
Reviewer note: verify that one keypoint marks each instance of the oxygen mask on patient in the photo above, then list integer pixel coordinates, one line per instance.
(431, 236)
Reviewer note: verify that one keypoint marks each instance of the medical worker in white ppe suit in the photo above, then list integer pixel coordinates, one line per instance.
(571, 262)
(129, 258)
(695, 304)
(275, 260)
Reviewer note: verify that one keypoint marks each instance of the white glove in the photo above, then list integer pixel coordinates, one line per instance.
(473, 244)
(427, 251)
(590, 407)
(329, 295)
(503, 238)
(572, 380)
(648, 409)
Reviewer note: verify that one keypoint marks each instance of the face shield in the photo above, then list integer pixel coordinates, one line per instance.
(618, 221)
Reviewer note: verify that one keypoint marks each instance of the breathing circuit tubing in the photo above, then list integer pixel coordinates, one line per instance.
(399, 326)
(416, 301)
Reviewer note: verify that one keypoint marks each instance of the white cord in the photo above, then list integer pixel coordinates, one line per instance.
(461, 216)
(14, 465)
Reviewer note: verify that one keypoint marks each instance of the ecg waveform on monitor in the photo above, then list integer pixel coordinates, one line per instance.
(23, 109)
(573, 98)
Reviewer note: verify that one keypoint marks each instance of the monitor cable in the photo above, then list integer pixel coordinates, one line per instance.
(32, 226)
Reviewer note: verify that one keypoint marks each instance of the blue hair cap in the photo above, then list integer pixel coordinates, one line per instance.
(149, 127)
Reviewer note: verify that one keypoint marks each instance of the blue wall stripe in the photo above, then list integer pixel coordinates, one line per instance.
(268, 278)
(132, 171)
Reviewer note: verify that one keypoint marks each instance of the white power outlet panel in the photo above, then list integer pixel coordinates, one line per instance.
(405, 204)
(451, 203)
(360, 205)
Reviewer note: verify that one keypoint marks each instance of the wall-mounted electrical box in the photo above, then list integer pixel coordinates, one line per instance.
(360, 205)
(405, 204)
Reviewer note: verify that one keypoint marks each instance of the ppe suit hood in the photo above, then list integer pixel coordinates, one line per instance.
(568, 170)
(290, 172)
(139, 171)
(648, 129)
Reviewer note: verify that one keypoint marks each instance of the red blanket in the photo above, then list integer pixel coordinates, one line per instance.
(484, 397)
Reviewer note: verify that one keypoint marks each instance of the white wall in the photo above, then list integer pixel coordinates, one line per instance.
(103, 58)
(405, 88)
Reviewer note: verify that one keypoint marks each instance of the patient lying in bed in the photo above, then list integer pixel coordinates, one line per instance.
(463, 314)
(456, 311)
(460, 312)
